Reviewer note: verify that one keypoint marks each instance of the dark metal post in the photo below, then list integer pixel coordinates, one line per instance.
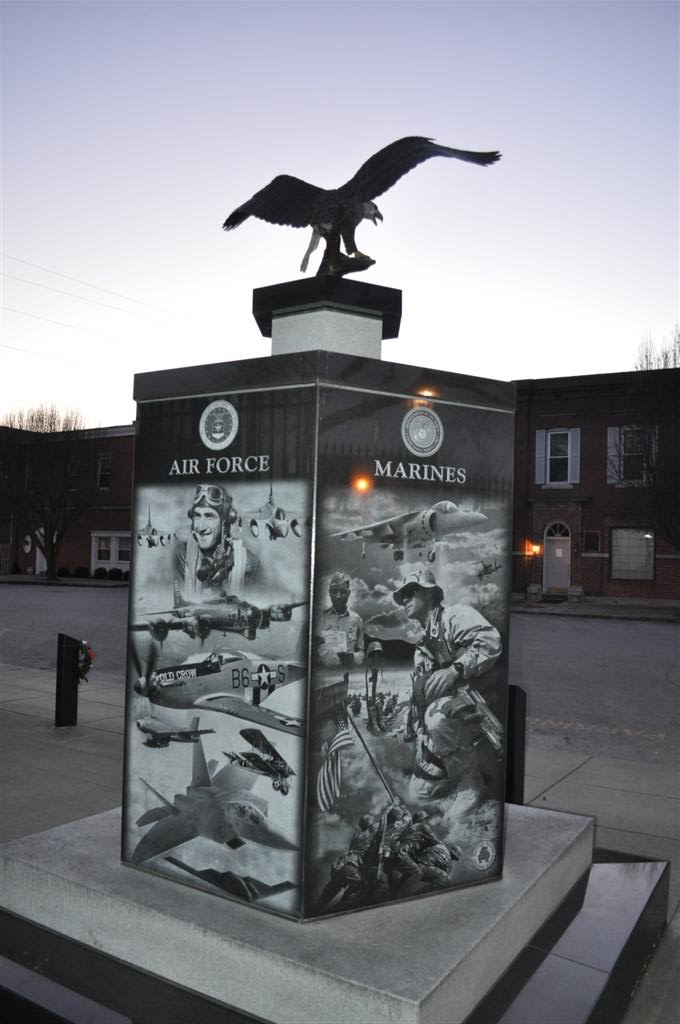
(66, 707)
(517, 727)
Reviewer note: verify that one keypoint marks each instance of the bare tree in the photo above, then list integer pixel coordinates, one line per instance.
(664, 356)
(45, 470)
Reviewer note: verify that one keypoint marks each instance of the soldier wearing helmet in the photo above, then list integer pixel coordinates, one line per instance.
(211, 563)
(459, 645)
(340, 631)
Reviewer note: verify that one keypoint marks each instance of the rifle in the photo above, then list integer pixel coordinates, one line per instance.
(488, 723)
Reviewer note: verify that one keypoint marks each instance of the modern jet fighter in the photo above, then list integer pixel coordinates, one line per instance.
(275, 520)
(487, 568)
(225, 615)
(244, 886)
(230, 682)
(153, 536)
(160, 733)
(264, 759)
(220, 807)
(414, 531)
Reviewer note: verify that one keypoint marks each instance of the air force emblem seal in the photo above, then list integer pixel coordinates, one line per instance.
(218, 425)
(422, 432)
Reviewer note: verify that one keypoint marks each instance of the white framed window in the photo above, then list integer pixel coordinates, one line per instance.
(630, 451)
(110, 550)
(632, 554)
(558, 457)
(104, 472)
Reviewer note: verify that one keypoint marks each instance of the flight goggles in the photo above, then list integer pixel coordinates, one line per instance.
(211, 495)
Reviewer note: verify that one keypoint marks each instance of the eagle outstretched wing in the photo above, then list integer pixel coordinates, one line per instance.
(285, 200)
(388, 165)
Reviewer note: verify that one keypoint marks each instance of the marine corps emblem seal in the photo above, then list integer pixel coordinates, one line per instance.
(422, 432)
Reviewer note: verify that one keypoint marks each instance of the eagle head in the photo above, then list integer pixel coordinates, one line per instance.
(371, 212)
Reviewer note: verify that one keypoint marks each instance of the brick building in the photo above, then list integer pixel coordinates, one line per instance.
(100, 465)
(583, 510)
(582, 519)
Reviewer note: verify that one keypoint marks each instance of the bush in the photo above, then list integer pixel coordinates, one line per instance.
(115, 574)
(63, 571)
(126, 574)
(81, 572)
(100, 573)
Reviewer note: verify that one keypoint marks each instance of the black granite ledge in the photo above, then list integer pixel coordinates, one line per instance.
(323, 367)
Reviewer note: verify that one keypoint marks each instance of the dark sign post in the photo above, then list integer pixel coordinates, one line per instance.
(66, 705)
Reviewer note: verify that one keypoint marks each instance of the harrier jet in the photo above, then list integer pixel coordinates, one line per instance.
(334, 214)
(415, 531)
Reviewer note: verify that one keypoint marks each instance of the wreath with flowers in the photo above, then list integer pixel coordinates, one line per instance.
(86, 657)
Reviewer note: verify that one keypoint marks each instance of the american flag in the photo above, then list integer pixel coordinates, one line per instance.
(330, 772)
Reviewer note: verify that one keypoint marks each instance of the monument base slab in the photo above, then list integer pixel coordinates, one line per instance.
(419, 962)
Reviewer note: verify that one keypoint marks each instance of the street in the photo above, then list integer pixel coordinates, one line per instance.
(597, 686)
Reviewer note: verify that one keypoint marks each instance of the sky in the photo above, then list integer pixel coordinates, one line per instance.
(131, 129)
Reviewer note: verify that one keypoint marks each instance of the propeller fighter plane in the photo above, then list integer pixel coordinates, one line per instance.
(416, 530)
(230, 682)
(263, 759)
(218, 807)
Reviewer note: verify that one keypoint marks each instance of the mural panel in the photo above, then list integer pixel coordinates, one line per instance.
(218, 636)
(408, 686)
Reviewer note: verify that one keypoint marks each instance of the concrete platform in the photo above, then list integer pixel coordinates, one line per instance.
(443, 953)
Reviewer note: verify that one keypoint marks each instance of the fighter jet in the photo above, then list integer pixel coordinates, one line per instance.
(244, 886)
(487, 568)
(160, 733)
(264, 759)
(152, 535)
(416, 530)
(275, 520)
(230, 682)
(225, 615)
(219, 807)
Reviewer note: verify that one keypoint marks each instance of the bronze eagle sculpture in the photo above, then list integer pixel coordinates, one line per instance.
(334, 214)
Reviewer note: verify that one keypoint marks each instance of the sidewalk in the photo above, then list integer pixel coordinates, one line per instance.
(53, 776)
(650, 610)
(23, 579)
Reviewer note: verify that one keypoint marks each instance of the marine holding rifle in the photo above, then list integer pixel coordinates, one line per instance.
(447, 718)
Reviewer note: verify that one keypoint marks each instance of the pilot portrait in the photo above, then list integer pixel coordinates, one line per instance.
(340, 633)
(212, 563)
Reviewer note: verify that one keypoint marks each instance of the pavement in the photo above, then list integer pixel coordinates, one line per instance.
(53, 776)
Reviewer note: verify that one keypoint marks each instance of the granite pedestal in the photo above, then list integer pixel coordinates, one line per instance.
(420, 962)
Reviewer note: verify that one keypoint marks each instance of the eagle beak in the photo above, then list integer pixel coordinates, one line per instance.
(376, 217)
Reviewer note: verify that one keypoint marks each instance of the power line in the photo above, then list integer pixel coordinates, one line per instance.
(36, 284)
(65, 359)
(59, 323)
(108, 291)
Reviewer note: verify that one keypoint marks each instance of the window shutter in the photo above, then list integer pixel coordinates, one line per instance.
(540, 456)
(574, 455)
(613, 454)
